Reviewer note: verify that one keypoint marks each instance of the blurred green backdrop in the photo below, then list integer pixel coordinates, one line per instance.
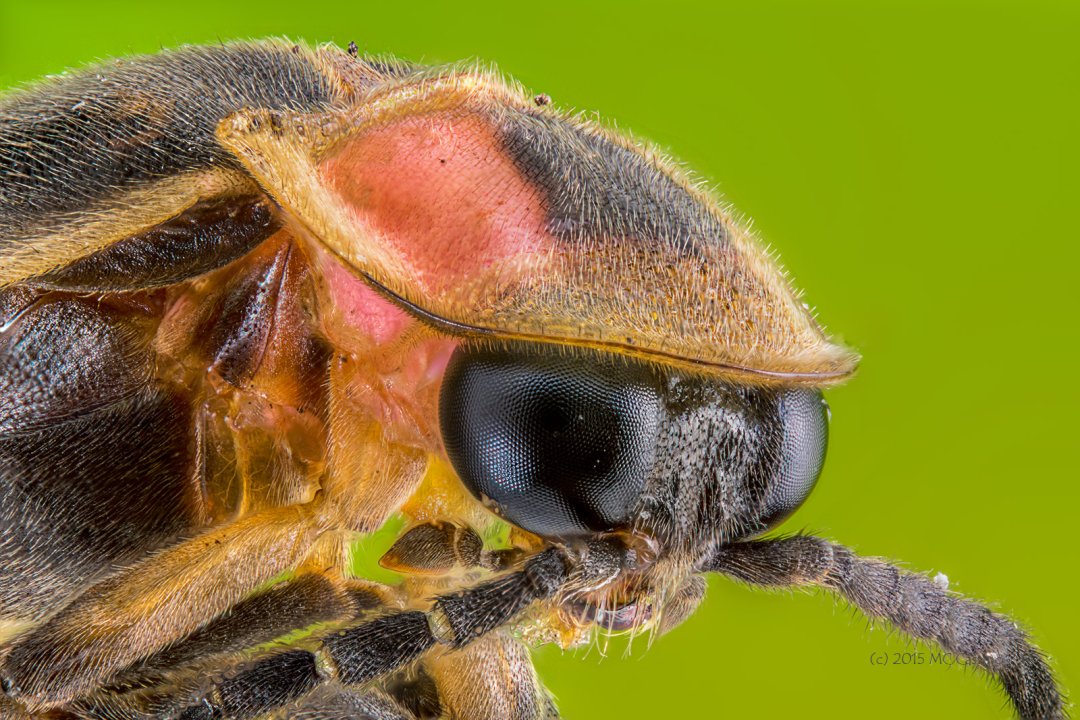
(915, 164)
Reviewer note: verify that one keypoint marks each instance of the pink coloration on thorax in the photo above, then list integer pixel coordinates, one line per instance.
(361, 307)
(388, 364)
(440, 190)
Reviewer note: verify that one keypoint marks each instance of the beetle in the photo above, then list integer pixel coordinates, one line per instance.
(261, 298)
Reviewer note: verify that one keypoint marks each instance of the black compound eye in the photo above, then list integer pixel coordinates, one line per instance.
(560, 443)
(804, 423)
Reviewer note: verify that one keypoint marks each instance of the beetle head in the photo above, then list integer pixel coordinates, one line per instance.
(642, 466)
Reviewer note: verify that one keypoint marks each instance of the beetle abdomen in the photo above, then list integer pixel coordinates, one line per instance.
(94, 457)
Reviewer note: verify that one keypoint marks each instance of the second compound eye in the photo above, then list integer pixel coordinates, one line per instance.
(803, 433)
(559, 443)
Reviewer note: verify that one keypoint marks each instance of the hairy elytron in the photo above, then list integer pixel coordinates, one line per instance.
(258, 299)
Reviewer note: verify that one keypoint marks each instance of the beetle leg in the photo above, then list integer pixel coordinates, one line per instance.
(282, 613)
(260, 618)
(333, 702)
(490, 679)
(148, 606)
(433, 549)
(439, 547)
(913, 603)
(369, 650)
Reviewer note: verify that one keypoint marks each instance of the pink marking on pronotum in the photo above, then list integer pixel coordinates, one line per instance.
(441, 193)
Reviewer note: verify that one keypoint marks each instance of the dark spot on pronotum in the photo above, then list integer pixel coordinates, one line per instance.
(542, 99)
(597, 188)
(352, 49)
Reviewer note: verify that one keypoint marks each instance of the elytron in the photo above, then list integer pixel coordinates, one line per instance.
(258, 300)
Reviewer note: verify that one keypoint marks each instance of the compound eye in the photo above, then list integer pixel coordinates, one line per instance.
(559, 444)
(804, 429)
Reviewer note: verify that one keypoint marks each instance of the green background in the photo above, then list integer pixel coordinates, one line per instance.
(915, 164)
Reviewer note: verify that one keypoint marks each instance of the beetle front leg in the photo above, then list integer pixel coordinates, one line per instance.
(152, 604)
(333, 702)
(369, 650)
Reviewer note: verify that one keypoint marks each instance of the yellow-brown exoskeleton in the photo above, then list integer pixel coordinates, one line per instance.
(258, 299)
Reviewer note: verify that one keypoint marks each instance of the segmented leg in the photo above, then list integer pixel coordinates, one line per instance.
(147, 606)
(258, 619)
(333, 702)
(161, 684)
(491, 679)
(438, 548)
(913, 603)
(364, 652)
